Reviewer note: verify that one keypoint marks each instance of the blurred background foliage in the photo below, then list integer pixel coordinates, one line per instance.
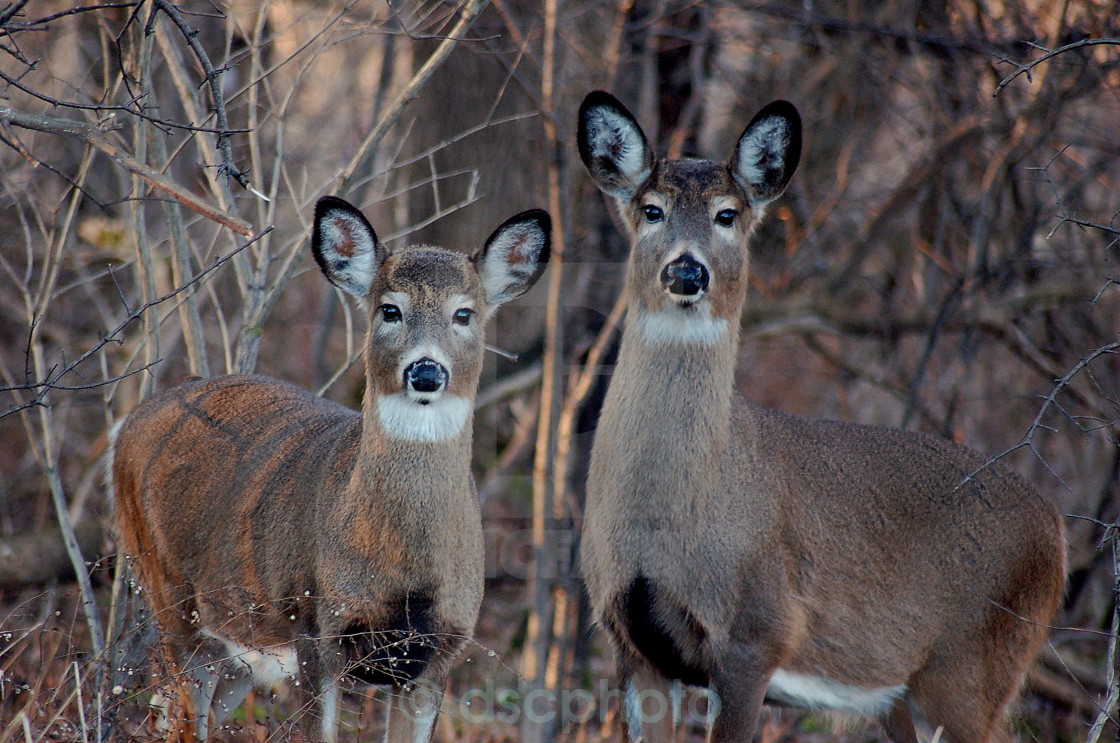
(945, 260)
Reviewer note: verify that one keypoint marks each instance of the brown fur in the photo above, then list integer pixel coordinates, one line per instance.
(748, 541)
(259, 512)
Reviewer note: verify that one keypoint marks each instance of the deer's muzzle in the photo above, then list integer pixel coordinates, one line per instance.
(425, 376)
(685, 277)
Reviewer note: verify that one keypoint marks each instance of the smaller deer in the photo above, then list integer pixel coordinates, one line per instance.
(282, 537)
(769, 557)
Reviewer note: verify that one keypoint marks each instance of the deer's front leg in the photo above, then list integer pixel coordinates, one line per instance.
(739, 687)
(413, 709)
(321, 670)
(651, 703)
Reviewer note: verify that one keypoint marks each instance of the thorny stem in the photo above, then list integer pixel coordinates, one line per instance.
(213, 75)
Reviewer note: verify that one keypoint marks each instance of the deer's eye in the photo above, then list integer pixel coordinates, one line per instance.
(653, 213)
(390, 313)
(463, 316)
(726, 217)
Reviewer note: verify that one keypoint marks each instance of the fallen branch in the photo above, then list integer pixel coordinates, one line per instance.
(40, 557)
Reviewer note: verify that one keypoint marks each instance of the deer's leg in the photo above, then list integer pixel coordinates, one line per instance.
(969, 710)
(330, 699)
(969, 681)
(413, 709)
(201, 675)
(900, 723)
(177, 706)
(321, 668)
(215, 687)
(738, 686)
(233, 685)
(651, 703)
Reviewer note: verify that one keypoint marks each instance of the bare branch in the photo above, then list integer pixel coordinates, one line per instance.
(11, 11)
(368, 147)
(1025, 69)
(57, 373)
(1047, 402)
(41, 23)
(98, 139)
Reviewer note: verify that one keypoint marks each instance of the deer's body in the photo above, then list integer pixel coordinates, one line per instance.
(766, 556)
(282, 537)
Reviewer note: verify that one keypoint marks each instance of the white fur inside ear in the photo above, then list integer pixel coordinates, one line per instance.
(681, 325)
(615, 138)
(407, 420)
(349, 251)
(765, 144)
(511, 260)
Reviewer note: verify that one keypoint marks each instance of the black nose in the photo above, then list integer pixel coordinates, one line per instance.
(425, 375)
(685, 276)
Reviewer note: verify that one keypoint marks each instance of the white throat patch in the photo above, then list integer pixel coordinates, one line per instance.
(407, 420)
(679, 325)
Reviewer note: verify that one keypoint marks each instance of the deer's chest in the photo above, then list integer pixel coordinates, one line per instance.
(650, 620)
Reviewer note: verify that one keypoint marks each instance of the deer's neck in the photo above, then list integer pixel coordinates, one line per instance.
(415, 470)
(667, 414)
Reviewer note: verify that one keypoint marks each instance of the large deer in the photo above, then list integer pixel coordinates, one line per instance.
(282, 537)
(769, 557)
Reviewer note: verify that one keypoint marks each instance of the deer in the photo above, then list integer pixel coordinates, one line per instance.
(281, 538)
(770, 558)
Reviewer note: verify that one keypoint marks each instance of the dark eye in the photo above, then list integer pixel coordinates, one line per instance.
(463, 316)
(726, 217)
(653, 213)
(390, 313)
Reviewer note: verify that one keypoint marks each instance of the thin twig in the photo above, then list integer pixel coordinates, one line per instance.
(225, 147)
(108, 109)
(10, 12)
(1049, 401)
(1112, 534)
(1025, 69)
(111, 336)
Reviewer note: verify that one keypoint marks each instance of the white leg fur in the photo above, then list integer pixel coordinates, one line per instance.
(633, 708)
(329, 700)
(423, 724)
(412, 713)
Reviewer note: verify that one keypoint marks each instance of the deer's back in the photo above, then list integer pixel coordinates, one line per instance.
(891, 520)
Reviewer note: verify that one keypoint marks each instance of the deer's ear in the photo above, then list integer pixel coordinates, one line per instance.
(768, 152)
(612, 145)
(515, 256)
(345, 246)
